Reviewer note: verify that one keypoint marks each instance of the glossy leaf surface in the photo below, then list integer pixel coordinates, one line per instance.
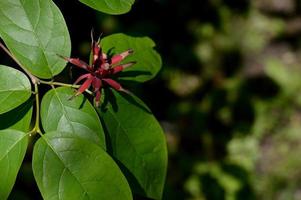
(137, 142)
(71, 168)
(113, 7)
(35, 32)
(18, 118)
(13, 146)
(76, 115)
(148, 60)
(15, 88)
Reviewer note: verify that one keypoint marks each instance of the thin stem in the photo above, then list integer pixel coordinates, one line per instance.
(59, 84)
(37, 124)
(36, 128)
(52, 83)
(34, 79)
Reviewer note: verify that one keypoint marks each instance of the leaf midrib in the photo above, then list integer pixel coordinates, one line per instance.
(135, 150)
(65, 113)
(32, 30)
(36, 36)
(13, 90)
(65, 167)
(13, 146)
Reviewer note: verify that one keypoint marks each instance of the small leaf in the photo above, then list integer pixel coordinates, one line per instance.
(113, 7)
(13, 146)
(148, 60)
(35, 32)
(137, 142)
(78, 116)
(18, 118)
(71, 168)
(15, 88)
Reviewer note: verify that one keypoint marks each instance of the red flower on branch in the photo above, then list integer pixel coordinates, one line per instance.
(100, 71)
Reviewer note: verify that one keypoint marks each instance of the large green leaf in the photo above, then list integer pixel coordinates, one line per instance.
(137, 142)
(76, 115)
(13, 146)
(71, 168)
(18, 118)
(35, 32)
(114, 7)
(15, 88)
(148, 60)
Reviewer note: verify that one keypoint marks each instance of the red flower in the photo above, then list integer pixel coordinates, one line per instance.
(100, 71)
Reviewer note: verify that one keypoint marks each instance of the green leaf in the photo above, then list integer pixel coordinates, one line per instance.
(148, 60)
(35, 32)
(13, 146)
(137, 142)
(71, 168)
(15, 88)
(113, 7)
(18, 118)
(77, 115)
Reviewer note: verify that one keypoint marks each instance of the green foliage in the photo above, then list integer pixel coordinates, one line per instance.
(77, 116)
(15, 88)
(35, 32)
(18, 118)
(148, 60)
(137, 142)
(74, 156)
(13, 146)
(67, 167)
(113, 7)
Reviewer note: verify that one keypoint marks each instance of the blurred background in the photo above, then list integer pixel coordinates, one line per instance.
(228, 95)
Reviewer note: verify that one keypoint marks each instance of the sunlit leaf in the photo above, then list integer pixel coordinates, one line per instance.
(13, 146)
(114, 7)
(76, 115)
(35, 32)
(15, 88)
(148, 60)
(71, 168)
(137, 142)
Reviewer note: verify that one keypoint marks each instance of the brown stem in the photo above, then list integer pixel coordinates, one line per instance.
(34, 79)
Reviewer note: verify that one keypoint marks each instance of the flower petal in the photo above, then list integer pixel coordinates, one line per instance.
(115, 85)
(96, 84)
(117, 58)
(97, 98)
(77, 62)
(85, 85)
(81, 78)
(120, 68)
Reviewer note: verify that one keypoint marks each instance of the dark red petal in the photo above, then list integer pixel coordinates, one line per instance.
(96, 49)
(115, 85)
(77, 62)
(81, 78)
(120, 68)
(85, 85)
(97, 98)
(117, 58)
(96, 84)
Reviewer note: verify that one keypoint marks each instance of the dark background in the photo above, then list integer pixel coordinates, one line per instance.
(228, 95)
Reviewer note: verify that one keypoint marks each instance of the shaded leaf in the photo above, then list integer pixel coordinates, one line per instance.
(15, 88)
(137, 142)
(78, 116)
(148, 60)
(114, 7)
(71, 168)
(18, 118)
(13, 146)
(35, 32)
